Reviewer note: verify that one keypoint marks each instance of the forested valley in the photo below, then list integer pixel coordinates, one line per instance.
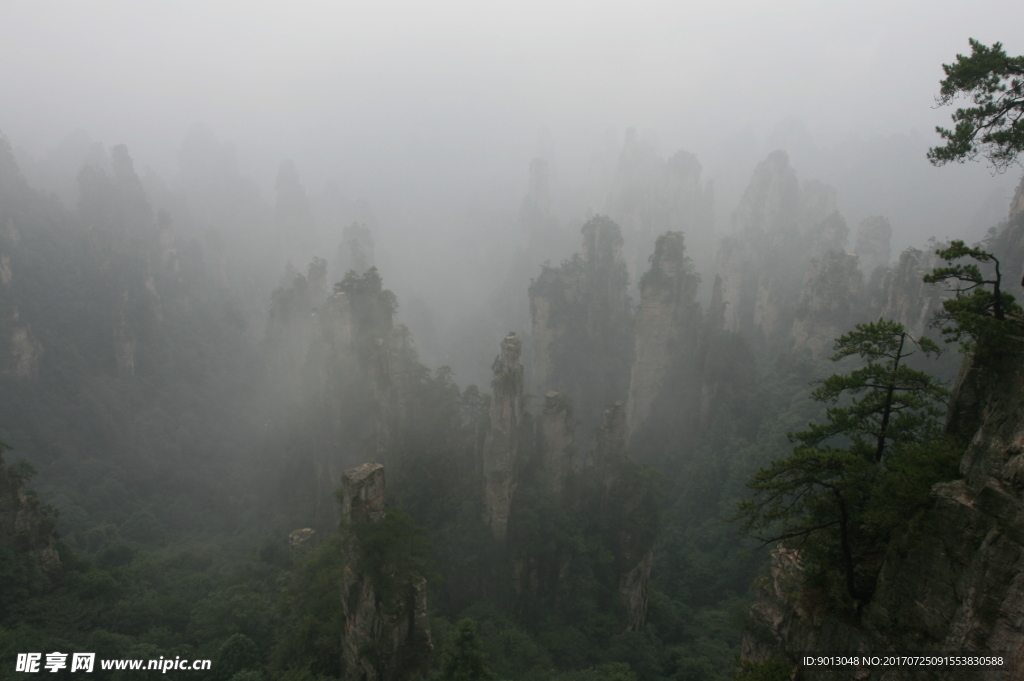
(226, 437)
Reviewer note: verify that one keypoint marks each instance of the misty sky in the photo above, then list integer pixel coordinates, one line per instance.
(400, 98)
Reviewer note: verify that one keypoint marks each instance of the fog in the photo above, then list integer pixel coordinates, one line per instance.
(197, 176)
(450, 100)
(431, 114)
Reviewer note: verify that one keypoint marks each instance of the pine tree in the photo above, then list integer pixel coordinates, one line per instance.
(975, 312)
(827, 487)
(994, 126)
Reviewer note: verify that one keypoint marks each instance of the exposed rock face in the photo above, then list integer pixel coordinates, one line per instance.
(905, 297)
(301, 537)
(667, 326)
(628, 497)
(771, 202)
(386, 635)
(346, 367)
(951, 583)
(581, 320)
(1017, 205)
(829, 302)
(871, 244)
(24, 525)
(362, 491)
(24, 351)
(503, 444)
(778, 228)
(291, 322)
(357, 377)
(556, 441)
(1008, 245)
(650, 196)
(634, 588)
(610, 446)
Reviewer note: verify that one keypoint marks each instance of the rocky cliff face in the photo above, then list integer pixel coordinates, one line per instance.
(951, 583)
(556, 441)
(650, 196)
(630, 498)
(25, 526)
(387, 632)
(1008, 243)
(341, 363)
(902, 294)
(504, 441)
(530, 472)
(687, 366)
(830, 302)
(668, 326)
(581, 320)
(357, 375)
(778, 227)
(24, 349)
(112, 253)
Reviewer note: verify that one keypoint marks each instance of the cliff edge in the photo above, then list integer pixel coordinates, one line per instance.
(952, 582)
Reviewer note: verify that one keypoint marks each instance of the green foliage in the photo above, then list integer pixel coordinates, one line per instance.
(237, 654)
(237, 608)
(393, 551)
(829, 487)
(670, 247)
(890, 401)
(994, 126)
(20, 579)
(368, 285)
(772, 669)
(610, 671)
(310, 622)
(975, 312)
(464, 660)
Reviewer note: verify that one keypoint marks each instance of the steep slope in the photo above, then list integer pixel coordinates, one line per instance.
(581, 320)
(950, 583)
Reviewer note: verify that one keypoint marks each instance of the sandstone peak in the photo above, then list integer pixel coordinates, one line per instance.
(362, 493)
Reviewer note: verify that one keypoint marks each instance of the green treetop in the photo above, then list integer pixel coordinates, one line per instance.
(975, 312)
(465, 661)
(891, 402)
(994, 126)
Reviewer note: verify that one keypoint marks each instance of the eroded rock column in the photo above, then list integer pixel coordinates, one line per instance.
(502, 445)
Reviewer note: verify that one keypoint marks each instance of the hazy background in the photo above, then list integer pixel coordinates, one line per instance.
(431, 112)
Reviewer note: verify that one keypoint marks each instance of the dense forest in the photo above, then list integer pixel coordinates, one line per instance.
(219, 440)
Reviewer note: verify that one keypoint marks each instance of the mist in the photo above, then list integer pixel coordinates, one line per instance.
(568, 272)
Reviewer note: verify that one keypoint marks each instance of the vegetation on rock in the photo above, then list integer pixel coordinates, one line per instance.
(839, 484)
(975, 313)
